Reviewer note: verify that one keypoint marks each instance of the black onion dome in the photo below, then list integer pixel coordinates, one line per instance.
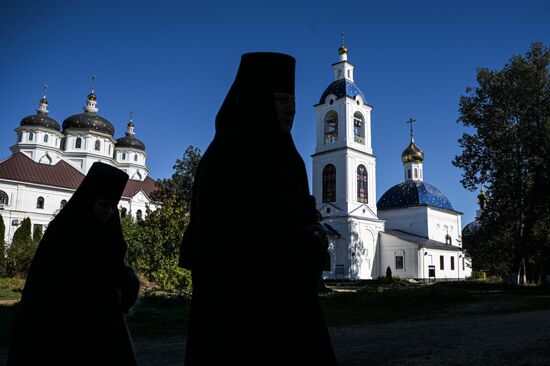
(130, 141)
(91, 121)
(42, 120)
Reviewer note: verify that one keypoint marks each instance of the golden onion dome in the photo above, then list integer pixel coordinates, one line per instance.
(92, 96)
(412, 154)
(43, 101)
(342, 50)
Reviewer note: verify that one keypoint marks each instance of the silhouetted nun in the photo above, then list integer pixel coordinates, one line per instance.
(78, 286)
(255, 263)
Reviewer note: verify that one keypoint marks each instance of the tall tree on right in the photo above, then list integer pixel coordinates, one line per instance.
(508, 152)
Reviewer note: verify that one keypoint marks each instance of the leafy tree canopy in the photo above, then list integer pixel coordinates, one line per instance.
(508, 153)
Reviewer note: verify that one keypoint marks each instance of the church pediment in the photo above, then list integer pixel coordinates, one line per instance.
(330, 210)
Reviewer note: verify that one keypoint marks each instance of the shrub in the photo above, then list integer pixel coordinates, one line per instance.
(21, 250)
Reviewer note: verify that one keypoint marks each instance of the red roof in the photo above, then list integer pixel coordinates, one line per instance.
(133, 187)
(19, 167)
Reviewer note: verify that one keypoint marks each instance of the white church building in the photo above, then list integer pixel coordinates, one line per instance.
(413, 228)
(49, 162)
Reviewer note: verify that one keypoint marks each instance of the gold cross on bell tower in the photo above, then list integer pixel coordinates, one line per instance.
(410, 122)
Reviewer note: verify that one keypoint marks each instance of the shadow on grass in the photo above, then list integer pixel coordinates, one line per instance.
(386, 302)
(159, 315)
(7, 313)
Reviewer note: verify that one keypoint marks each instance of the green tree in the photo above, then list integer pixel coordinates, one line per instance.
(2, 248)
(153, 246)
(37, 235)
(21, 250)
(153, 243)
(181, 182)
(508, 152)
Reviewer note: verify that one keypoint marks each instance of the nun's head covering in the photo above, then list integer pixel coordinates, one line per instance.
(103, 181)
(249, 108)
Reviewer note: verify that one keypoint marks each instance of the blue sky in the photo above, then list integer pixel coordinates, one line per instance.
(173, 62)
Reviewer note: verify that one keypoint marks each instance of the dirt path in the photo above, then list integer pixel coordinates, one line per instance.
(502, 339)
(510, 339)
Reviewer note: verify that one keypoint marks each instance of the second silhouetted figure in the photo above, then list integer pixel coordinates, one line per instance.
(250, 245)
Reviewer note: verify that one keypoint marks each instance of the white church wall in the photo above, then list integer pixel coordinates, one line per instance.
(23, 203)
(339, 162)
(442, 223)
(391, 247)
(416, 260)
(436, 257)
(412, 220)
(339, 251)
(355, 254)
(354, 159)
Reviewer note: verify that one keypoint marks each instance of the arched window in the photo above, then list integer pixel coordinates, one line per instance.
(331, 128)
(329, 183)
(45, 159)
(78, 143)
(448, 239)
(46, 138)
(109, 149)
(62, 204)
(123, 212)
(362, 190)
(135, 157)
(409, 173)
(97, 145)
(139, 215)
(40, 202)
(415, 173)
(4, 199)
(358, 128)
(123, 156)
(31, 136)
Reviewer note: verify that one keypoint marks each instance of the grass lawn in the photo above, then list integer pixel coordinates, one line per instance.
(11, 288)
(378, 302)
(158, 315)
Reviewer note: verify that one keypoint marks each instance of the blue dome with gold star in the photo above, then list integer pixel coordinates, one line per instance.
(413, 193)
(341, 88)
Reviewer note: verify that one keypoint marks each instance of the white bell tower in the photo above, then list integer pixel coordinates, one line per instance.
(344, 174)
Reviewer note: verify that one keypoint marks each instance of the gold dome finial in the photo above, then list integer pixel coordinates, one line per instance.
(43, 106)
(412, 153)
(44, 100)
(342, 48)
(130, 129)
(92, 96)
(131, 118)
